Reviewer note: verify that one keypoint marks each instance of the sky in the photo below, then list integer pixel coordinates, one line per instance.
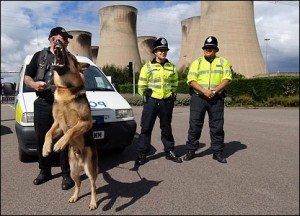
(25, 26)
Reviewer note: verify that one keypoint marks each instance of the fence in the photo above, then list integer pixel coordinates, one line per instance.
(7, 99)
(8, 92)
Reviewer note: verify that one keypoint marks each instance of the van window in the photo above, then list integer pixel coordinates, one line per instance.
(95, 80)
(25, 87)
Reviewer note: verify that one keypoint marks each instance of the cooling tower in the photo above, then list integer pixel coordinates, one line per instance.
(81, 43)
(190, 28)
(94, 50)
(232, 23)
(146, 45)
(118, 38)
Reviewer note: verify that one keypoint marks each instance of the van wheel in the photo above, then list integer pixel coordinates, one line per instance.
(114, 151)
(23, 157)
(119, 150)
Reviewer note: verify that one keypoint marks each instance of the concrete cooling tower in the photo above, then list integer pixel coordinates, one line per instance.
(190, 29)
(95, 50)
(146, 45)
(232, 23)
(118, 37)
(81, 43)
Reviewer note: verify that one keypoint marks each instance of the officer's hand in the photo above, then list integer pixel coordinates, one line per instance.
(40, 86)
(209, 94)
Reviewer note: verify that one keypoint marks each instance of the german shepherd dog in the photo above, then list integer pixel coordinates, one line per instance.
(72, 121)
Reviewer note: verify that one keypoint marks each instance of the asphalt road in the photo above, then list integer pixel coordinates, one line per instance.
(260, 178)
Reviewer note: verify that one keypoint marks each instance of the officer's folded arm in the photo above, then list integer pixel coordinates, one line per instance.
(222, 85)
(199, 88)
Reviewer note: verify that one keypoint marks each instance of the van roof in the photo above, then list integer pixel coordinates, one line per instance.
(79, 58)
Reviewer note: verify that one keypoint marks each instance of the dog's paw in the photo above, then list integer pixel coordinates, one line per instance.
(46, 149)
(56, 148)
(45, 153)
(59, 146)
(93, 206)
(73, 199)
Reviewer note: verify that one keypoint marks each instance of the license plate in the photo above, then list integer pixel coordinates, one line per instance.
(98, 134)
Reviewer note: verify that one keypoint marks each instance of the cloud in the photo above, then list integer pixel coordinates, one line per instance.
(25, 26)
(279, 21)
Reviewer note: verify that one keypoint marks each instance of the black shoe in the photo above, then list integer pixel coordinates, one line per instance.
(189, 155)
(219, 157)
(141, 159)
(67, 183)
(170, 155)
(42, 178)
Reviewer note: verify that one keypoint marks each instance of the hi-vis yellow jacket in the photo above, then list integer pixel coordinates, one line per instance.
(163, 80)
(209, 75)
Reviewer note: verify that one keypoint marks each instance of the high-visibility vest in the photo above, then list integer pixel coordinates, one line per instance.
(209, 74)
(163, 80)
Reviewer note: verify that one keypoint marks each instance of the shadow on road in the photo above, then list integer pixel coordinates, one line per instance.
(115, 189)
(229, 149)
(233, 147)
(5, 130)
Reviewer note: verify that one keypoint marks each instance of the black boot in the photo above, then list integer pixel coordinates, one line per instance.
(42, 178)
(67, 183)
(189, 155)
(170, 155)
(219, 157)
(141, 159)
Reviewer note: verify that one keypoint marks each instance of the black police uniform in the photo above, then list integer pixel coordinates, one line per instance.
(162, 108)
(43, 118)
(215, 109)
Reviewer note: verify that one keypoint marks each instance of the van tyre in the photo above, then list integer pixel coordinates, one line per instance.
(118, 150)
(23, 157)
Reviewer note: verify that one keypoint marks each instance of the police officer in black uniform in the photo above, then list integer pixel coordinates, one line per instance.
(39, 76)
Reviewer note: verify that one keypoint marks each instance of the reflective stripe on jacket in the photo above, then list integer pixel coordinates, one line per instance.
(209, 75)
(163, 80)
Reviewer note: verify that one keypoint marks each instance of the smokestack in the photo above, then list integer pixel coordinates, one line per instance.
(118, 38)
(190, 28)
(233, 24)
(94, 50)
(81, 43)
(146, 45)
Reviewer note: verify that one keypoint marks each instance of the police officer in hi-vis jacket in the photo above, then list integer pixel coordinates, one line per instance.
(158, 82)
(208, 76)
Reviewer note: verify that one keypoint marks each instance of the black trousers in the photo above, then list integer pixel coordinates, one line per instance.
(199, 105)
(163, 109)
(43, 121)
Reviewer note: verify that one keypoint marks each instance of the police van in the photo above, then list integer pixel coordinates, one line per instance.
(114, 125)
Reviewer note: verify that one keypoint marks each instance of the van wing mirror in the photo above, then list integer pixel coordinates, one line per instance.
(8, 88)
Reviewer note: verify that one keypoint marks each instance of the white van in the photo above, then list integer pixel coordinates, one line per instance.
(114, 124)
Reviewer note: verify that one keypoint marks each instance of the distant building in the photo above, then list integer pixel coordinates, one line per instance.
(118, 37)
(233, 24)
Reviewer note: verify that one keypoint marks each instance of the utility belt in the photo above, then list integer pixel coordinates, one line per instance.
(217, 96)
(163, 99)
(46, 94)
(148, 92)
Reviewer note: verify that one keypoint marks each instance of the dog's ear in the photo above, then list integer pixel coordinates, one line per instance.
(83, 66)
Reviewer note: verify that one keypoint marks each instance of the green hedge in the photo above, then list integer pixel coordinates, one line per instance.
(264, 88)
(258, 88)
(257, 92)
(263, 91)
